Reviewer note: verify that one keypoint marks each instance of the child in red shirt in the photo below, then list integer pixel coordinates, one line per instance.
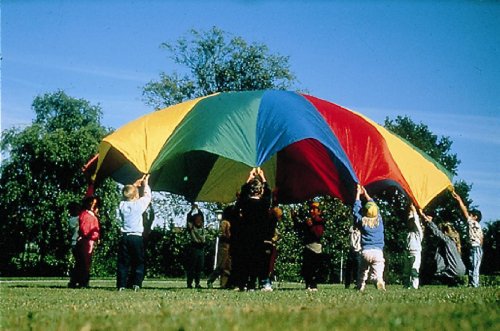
(88, 235)
(311, 230)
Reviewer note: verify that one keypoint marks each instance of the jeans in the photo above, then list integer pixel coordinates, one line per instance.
(130, 259)
(476, 254)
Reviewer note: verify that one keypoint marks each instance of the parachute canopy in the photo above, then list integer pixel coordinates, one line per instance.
(204, 149)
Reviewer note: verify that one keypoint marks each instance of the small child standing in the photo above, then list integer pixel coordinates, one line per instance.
(74, 227)
(354, 257)
(223, 267)
(414, 247)
(88, 235)
(253, 204)
(196, 251)
(311, 230)
(131, 249)
(372, 240)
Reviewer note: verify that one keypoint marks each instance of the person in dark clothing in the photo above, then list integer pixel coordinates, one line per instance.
(223, 266)
(311, 230)
(449, 264)
(196, 250)
(251, 228)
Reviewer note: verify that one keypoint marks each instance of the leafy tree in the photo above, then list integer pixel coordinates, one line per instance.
(216, 62)
(41, 176)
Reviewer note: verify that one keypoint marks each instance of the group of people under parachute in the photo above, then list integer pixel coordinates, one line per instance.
(366, 260)
(248, 236)
(247, 240)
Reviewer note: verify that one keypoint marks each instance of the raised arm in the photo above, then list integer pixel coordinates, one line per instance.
(146, 195)
(416, 219)
(365, 193)
(260, 172)
(465, 212)
(251, 175)
(359, 190)
(356, 208)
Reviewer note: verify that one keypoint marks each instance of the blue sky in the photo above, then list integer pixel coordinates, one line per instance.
(436, 61)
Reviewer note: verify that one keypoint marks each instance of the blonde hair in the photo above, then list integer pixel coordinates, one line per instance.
(129, 192)
(370, 222)
(450, 231)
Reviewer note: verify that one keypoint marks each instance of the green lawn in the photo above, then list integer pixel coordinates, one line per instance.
(166, 305)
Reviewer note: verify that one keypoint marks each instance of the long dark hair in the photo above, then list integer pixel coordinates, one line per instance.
(91, 203)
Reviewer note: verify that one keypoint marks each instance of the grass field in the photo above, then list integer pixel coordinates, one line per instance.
(166, 305)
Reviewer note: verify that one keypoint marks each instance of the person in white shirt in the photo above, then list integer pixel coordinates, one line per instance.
(414, 248)
(131, 249)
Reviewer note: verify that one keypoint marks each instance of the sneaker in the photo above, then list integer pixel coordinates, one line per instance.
(312, 289)
(267, 288)
(136, 288)
(362, 287)
(121, 289)
(198, 286)
(381, 286)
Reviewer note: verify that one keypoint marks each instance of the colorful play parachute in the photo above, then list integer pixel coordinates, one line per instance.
(204, 149)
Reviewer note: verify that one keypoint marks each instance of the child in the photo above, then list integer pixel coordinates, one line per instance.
(372, 240)
(270, 237)
(414, 247)
(473, 218)
(354, 257)
(131, 249)
(223, 268)
(311, 232)
(449, 265)
(196, 251)
(74, 227)
(88, 235)
(253, 205)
